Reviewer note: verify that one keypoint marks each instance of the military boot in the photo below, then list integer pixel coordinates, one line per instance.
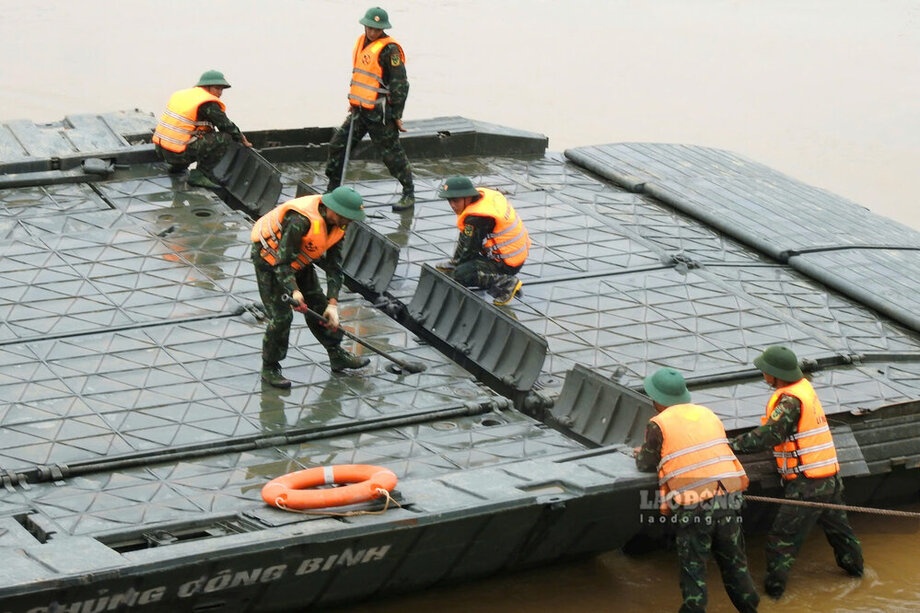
(271, 374)
(199, 179)
(340, 359)
(407, 201)
(505, 288)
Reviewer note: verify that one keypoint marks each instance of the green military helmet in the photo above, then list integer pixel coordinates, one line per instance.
(667, 387)
(212, 77)
(376, 18)
(779, 362)
(346, 202)
(457, 186)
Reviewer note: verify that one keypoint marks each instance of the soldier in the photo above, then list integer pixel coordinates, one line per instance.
(701, 482)
(797, 430)
(286, 242)
(379, 87)
(186, 130)
(493, 243)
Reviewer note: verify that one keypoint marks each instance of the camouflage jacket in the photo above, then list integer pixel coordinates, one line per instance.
(649, 454)
(211, 112)
(293, 228)
(469, 245)
(782, 423)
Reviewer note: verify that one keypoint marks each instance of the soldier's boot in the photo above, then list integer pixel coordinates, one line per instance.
(271, 374)
(199, 179)
(774, 587)
(504, 289)
(340, 359)
(407, 201)
(851, 563)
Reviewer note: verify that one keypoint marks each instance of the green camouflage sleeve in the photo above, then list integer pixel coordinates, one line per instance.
(394, 75)
(650, 452)
(293, 228)
(211, 111)
(469, 245)
(781, 423)
(332, 266)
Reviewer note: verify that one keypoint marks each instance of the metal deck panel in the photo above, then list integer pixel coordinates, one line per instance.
(23, 139)
(885, 279)
(742, 197)
(705, 323)
(653, 288)
(776, 215)
(171, 492)
(579, 226)
(105, 393)
(742, 404)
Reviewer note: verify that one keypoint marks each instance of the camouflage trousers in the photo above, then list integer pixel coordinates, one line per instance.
(701, 532)
(793, 523)
(482, 272)
(207, 151)
(384, 135)
(280, 314)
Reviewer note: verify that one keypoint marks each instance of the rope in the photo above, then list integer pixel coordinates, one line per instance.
(838, 507)
(380, 491)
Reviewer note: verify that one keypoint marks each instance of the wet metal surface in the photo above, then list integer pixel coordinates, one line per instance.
(872, 259)
(620, 283)
(131, 406)
(228, 483)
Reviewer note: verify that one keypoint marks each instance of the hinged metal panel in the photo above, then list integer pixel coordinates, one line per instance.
(479, 331)
(369, 257)
(250, 180)
(600, 410)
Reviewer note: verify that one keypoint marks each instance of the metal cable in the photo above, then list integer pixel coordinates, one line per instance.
(839, 507)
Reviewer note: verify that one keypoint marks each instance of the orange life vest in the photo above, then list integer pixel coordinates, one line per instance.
(810, 449)
(179, 125)
(267, 230)
(508, 242)
(367, 87)
(696, 461)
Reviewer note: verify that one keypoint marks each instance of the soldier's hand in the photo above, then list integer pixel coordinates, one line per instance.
(636, 451)
(399, 125)
(297, 302)
(245, 141)
(332, 315)
(445, 267)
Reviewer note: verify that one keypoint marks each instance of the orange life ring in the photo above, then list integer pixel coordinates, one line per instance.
(367, 481)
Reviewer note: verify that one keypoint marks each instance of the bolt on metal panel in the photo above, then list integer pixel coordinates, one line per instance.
(600, 410)
(479, 331)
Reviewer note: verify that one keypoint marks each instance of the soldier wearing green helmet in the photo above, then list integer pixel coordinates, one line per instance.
(700, 491)
(796, 428)
(286, 244)
(195, 128)
(376, 97)
(493, 243)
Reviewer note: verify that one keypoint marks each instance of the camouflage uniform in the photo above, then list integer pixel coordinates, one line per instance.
(793, 523)
(380, 123)
(712, 528)
(276, 281)
(207, 149)
(472, 267)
